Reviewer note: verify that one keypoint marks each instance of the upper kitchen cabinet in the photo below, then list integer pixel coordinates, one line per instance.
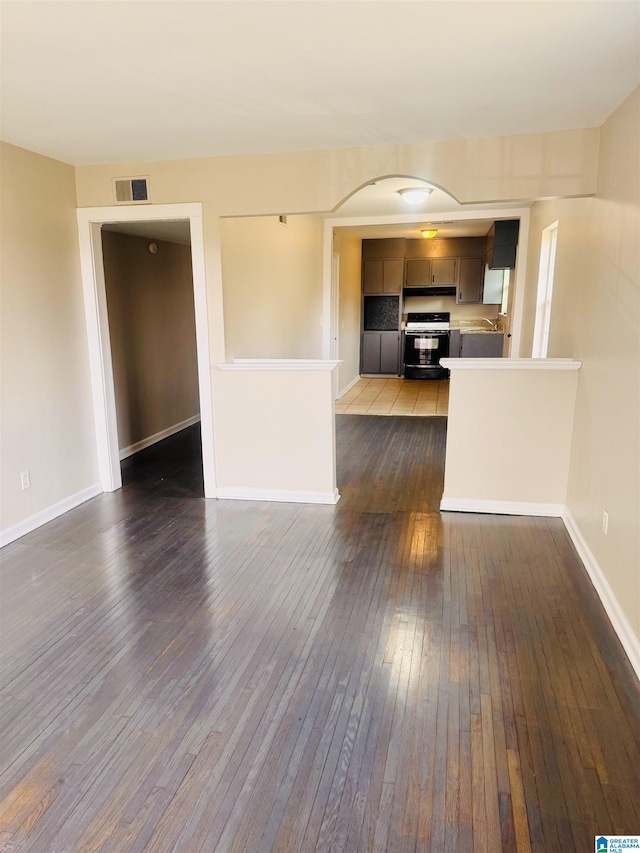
(417, 272)
(443, 271)
(434, 272)
(470, 278)
(382, 276)
(502, 244)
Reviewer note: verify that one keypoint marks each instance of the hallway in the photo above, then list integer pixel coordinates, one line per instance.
(193, 675)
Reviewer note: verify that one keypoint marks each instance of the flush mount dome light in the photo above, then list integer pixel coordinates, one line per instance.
(429, 233)
(415, 195)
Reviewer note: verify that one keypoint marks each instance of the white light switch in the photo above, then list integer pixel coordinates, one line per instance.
(25, 479)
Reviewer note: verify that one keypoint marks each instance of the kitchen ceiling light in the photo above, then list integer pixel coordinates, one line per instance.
(428, 233)
(415, 195)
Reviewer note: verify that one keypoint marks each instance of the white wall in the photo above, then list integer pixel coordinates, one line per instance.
(47, 420)
(272, 278)
(350, 250)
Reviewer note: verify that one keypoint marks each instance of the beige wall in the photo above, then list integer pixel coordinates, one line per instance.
(605, 457)
(521, 420)
(152, 333)
(497, 169)
(275, 434)
(508, 168)
(350, 250)
(47, 419)
(572, 268)
(272, 277)
(448, 303)
(596, 319)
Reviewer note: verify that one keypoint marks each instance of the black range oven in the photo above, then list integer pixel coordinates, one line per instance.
(426, 341)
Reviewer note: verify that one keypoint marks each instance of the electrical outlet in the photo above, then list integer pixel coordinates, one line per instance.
(605, 522)
(25, 479)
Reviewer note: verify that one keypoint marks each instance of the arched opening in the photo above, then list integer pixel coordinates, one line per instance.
(397, 259)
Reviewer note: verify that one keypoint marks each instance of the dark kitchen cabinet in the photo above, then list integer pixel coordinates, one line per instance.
(380, 352)
(454, 343)
(418, 272)
(481, 345)
(443, 271)
(502, 244)
(431, 272)
(470, 280)
(382, 276)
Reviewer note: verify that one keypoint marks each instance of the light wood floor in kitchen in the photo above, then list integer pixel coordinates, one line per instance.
(394, 396)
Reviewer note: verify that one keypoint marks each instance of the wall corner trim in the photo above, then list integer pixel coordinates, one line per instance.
(630, 642)
(620, 623)
(501, 507)
(510, 363)
(239, 493)
(348, 387)
(16, 531)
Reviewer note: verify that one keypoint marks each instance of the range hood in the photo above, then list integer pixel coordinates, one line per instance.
(444, 290)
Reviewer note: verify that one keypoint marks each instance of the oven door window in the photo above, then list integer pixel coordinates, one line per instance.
(426, 343)
(425, 350)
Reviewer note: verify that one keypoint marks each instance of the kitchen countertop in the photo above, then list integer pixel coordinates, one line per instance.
(468, 326)
(474, 327)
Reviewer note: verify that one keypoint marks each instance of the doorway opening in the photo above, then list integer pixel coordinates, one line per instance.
(150, 307)
(151, 222)
(434, 259)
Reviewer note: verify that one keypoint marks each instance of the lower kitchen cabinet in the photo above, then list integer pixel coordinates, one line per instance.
(454, 343)
(380, 352)
(481, 345)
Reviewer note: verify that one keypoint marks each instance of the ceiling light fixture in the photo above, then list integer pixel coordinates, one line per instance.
(428, 233)
(415, 195)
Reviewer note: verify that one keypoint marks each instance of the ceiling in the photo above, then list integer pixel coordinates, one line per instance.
(98, 81)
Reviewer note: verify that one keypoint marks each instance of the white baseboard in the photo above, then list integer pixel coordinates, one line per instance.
(348, 388)
(158, 436)
(626, 635)
(279, 495)
(10, 534)
(501, 507)
(621, 626)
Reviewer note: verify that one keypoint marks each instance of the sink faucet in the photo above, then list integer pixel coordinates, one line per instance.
(492, 323)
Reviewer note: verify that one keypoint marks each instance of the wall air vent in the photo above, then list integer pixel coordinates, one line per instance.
(131, 190)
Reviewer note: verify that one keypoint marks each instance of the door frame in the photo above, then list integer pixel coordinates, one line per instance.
(90, 221)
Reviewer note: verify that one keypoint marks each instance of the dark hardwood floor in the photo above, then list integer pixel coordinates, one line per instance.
(191, 675)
